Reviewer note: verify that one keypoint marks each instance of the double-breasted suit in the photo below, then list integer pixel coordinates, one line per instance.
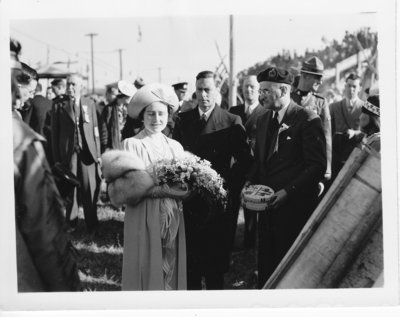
(250, 218)
(76, 145)
(222, 138)
(295, 162)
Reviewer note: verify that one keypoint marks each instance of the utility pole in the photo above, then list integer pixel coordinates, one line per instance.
(92, 55)
(159, 74)
(232, 80)
(120, 63)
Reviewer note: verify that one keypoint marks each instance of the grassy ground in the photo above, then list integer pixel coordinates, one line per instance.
(100, 261)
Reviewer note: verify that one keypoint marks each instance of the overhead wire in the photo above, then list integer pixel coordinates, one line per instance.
(97, 61)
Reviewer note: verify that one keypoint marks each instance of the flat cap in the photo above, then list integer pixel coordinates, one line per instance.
(276, 75)
(313, 66)
(180, 86)
(149, 94)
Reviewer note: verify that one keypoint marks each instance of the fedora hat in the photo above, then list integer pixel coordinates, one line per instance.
(149, 94)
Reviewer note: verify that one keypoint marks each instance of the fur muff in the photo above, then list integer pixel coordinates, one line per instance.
(131, 188)
(128, 181)
(116, 163)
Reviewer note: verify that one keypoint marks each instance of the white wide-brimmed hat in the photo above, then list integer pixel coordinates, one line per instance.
(126, 88)
(154, 92)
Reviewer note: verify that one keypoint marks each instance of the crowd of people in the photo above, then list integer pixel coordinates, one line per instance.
(285, 135)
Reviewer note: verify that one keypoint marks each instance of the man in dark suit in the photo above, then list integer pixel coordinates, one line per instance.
(248, 112)
(215, 135)
(346, 132)
(76, 145)
(290, 157)
(35, 114)
(114, 116)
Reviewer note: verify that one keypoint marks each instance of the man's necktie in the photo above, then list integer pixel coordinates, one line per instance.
(203, 121)
(272, 132)
(275, 123)
(78, 136)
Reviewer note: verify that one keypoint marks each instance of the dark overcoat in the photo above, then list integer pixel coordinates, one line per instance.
(35, 115)
(63, 125)
(222, 138)
(63, 148)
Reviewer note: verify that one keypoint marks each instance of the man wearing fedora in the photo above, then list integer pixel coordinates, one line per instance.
(290, 157)
(216, 135)
(306, 95)
(114, 116)
(75, 144)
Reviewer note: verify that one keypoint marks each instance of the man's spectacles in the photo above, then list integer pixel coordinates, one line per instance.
(263, 92)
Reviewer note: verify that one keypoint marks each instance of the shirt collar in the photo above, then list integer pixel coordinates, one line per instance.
(207, 113)
(248, 108)
(351, 103)
(281, 113)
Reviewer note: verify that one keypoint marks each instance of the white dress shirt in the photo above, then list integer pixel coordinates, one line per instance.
(207, 113)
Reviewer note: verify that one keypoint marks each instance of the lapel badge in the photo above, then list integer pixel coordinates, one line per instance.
(85, 113)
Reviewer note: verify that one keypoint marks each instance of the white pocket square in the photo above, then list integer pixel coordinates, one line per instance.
(288, 138)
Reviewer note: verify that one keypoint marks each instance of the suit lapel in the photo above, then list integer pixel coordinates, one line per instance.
(290, 116)
(213, 122)
(67, 107)
(241, 113)
(253, 117)
(346, 114)
(288, 119)
(262, 134)
(85, 115)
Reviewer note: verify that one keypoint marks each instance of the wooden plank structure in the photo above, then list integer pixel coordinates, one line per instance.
(341, 244)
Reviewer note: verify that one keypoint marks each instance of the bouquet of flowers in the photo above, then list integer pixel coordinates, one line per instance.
(129, 181)
(193, 174)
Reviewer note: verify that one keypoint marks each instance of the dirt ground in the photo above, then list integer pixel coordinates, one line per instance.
(100, 261)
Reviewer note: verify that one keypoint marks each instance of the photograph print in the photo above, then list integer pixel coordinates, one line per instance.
(200, 152)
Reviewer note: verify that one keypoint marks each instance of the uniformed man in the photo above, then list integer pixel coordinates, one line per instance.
(306, 95)
(180, 91)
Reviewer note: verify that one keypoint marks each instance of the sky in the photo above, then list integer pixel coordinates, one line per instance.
(173, 48)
